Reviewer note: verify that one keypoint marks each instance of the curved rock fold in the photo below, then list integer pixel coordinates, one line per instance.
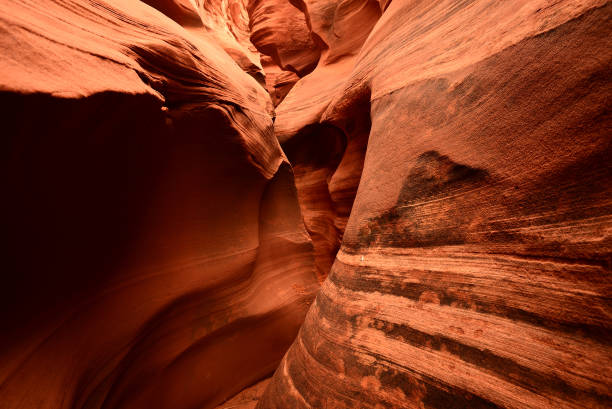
(306, 204)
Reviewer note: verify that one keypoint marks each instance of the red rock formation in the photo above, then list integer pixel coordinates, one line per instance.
(446, 160)
(247, 398)
(327, 159)
(223, 22)
(475, 267)
(278, 81)
(281, 31)
(156, 256)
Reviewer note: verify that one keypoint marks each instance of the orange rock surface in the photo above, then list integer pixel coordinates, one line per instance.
(155, 253)
(474, 270)
(183, 177)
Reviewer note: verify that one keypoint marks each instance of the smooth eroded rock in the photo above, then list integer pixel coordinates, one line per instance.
(474, 270)
(156, 255)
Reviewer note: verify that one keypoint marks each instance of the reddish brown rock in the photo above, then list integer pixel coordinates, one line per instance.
(222, 22)
(475, 266)
(282, 31)
(451, 160)
(155, 256)
(278, 81)
(327, 156)
(247, 398)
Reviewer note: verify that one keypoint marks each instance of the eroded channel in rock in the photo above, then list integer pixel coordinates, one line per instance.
(183, 177)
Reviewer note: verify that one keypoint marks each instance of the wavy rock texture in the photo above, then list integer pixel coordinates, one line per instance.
(223, 22)
(278, 81)
(475, 266)
(445, 162)
(156, 255)
(281, 31)
(327, 157)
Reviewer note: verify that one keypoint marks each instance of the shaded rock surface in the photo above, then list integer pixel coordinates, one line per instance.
(156, 255)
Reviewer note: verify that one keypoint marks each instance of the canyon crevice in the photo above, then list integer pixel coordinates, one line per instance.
(306, 204)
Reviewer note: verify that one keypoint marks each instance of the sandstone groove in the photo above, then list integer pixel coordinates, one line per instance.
(283, 204)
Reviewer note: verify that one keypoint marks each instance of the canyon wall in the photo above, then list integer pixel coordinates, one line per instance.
(182, 177)
(470, 143)
(155, 252)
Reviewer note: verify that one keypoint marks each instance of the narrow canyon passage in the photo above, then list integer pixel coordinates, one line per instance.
(306, 204)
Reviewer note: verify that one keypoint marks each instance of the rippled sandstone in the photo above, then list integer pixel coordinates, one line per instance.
(181, 175)
(474, 269)
(155, 253)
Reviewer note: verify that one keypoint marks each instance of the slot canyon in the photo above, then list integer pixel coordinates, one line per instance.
(279, 204)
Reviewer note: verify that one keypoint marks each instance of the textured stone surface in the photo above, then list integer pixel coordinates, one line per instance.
(281, 31)
(474, 270)
(156, 256)
(327, 163)
(247, 398)
(445, 162)
(223, 22)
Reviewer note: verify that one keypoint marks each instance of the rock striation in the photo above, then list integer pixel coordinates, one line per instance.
(156, 255)
(182, 178)
(474, 269)
(326, 161)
